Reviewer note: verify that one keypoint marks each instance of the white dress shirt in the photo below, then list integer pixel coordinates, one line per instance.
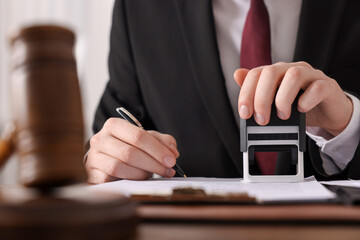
(230, 16)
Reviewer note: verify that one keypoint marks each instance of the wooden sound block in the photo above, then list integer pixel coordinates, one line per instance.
(67, 213)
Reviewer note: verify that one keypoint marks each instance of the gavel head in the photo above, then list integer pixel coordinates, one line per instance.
(46, 105)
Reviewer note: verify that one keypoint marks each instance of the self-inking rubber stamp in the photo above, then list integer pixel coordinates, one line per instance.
(286, 137)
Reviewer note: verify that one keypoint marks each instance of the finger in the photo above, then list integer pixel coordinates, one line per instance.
(296, 78)
(117, 157)
(247, 93)
(239, 75)
(96, 176)
(313, 95)
(268, 83)
(167, 140)
(118, 169)
(140, 139)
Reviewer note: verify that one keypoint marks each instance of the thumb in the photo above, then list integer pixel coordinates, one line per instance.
(240, 74)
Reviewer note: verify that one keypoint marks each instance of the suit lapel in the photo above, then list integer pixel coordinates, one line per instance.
(319, 26)
(198, 28)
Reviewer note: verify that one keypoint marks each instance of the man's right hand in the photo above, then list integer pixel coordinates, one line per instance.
(124, 151)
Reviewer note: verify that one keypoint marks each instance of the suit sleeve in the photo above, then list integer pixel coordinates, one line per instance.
(122, 88)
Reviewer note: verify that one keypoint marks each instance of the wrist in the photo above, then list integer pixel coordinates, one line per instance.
(346, 120)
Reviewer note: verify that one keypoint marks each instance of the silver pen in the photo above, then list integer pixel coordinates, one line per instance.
(125, 114)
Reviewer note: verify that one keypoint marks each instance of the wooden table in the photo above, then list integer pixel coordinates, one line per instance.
(247, 221)
(305, 221)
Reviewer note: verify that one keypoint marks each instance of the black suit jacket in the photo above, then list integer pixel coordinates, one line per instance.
(165, 68)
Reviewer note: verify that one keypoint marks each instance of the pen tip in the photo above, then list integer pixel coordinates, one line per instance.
(185, 176)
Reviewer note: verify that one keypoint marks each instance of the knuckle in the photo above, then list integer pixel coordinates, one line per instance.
(95, 140)
(303, 106)
(137, 136)
(319, 87)
(294, 73)
(261, 106)
(280, 63)
(262, 102)
(255, 72)
(111, 168)
(332, 82)
(169, 139)
(110, 123)
(303, 63)
(319, 72)
(269, 70)
(128, 154)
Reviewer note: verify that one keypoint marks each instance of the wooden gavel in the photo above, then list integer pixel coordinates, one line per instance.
(48, 130)
(47, 133)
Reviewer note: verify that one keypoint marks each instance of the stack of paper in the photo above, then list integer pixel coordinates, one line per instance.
(310, 190)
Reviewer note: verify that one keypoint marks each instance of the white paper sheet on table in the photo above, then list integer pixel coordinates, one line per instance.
(345, 183)
(310, 190)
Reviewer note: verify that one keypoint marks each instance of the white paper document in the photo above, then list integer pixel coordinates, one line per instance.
(310, 190)
(345, 183)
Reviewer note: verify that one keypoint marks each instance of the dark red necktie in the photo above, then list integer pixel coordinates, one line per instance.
(256, 51)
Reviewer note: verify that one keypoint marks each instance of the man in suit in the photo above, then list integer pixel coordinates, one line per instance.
(172, 64)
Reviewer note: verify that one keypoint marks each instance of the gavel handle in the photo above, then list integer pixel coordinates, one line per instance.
(6, 144)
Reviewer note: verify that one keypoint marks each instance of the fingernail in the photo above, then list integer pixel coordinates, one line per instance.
(259, 118)
(244, 111)
(169, 161)
(170, 172)
(281, 115)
